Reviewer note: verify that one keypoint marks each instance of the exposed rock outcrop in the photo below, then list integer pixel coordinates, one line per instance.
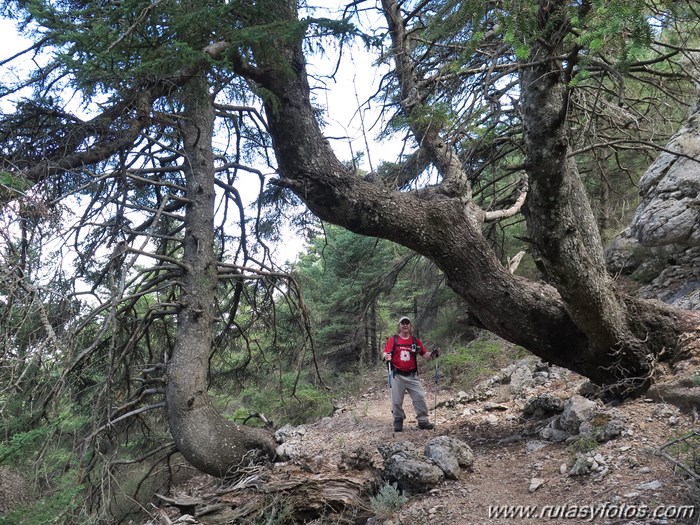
(661, 248)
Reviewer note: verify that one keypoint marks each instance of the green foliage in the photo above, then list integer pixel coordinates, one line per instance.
(619, 28)
(8, 180)
(21, 442)
(55, 506)
(289, 401)
(387, 501)
(464, 366)
(582, 445)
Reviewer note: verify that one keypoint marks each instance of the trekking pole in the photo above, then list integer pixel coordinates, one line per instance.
(437, 375)
(391, 393)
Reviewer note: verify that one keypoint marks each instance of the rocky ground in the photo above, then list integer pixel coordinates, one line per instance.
(519, 466)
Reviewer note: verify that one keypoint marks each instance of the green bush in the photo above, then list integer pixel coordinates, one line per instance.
(287, 403)
(464, 366)
(387, 501)
(54, 507)
(582, 445)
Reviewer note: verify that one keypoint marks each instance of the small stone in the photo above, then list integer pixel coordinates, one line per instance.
(563, 468)
(534, 446)
(491, 420)
(652, 485)
(535, 483)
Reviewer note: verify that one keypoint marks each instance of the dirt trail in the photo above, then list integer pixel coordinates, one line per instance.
(517, 478)
(509, 455)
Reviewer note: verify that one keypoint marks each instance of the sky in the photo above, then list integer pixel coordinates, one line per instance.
(351, 130)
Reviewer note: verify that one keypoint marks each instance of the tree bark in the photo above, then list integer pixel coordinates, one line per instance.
(209, 442)
(583, 324)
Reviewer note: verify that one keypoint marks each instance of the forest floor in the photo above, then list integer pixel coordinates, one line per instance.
(514, 469)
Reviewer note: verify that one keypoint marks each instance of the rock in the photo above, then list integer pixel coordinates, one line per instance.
(491, 420)
(456, 447)
(290, 451)
(582, 466)
(520, 379)
(288, 432)
(358, 458)
(534, 446)
(446, 461)
(494, 407)
(535, 483)
(552, 433)
(577, 410)
(510, 439)
(412, 476)
(604, 426)
(404, 449)
(662, 246)
(543, 404)
(651, 485)
(185, 519)
(668, 212)
(404, 465)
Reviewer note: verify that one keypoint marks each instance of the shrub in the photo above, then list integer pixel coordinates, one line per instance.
(387, 501)
(466, 365)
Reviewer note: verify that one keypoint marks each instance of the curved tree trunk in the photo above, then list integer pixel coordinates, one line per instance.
(562, 224)
(208, 441)
(583, 324)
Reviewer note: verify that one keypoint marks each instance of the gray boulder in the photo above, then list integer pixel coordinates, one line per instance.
(449, 454)
(404, 449)
(661, 249)
(288, 432)
(577, 410)
(412, 476)
(670, 191)
(542, 405)
(520, 379)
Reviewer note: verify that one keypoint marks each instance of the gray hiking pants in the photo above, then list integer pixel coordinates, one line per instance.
(411, 384)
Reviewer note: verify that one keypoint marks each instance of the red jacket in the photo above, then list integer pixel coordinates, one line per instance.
(403, 357)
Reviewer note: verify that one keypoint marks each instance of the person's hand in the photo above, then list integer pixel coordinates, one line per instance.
(386, 356)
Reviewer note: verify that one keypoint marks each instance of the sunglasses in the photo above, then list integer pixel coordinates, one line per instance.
(405, 322)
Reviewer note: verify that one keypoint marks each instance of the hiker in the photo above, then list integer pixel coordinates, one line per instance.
(400, 353)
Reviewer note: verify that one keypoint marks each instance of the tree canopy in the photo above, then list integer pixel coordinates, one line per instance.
(130, 131)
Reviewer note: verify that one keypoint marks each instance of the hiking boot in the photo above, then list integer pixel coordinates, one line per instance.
(398, 425)
(426, 425)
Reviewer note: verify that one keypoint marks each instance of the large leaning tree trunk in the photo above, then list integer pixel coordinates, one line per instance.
(208, 441)
(624, 335)
(578, 319)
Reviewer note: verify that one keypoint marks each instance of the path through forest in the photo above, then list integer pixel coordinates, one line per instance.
(515, 471)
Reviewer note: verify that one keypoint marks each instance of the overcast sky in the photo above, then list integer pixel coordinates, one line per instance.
(352, 125)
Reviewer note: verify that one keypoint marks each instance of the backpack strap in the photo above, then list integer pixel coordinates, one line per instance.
(414, 348)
